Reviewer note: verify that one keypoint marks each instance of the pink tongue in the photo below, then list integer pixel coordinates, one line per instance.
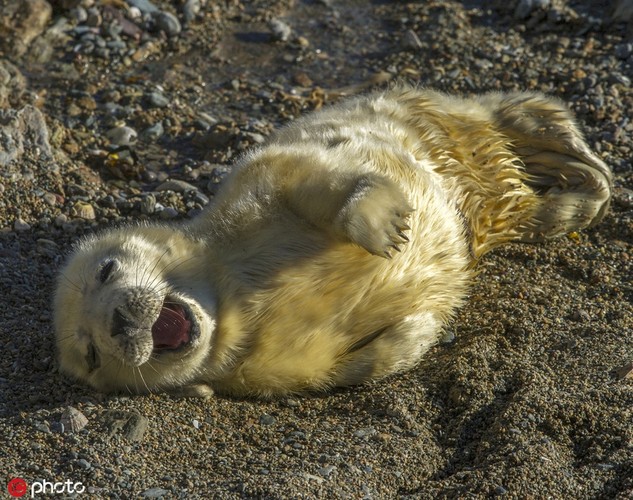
(171, 329)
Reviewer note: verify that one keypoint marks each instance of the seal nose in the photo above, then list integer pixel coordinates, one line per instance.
(121, 323)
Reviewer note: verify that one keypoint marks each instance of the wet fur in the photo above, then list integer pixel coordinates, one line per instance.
(335, 253)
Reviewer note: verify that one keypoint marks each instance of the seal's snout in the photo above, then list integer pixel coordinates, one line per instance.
(131, 324)
(123, 324)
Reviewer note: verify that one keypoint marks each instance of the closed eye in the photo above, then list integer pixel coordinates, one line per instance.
(106, 270)
(92, 358)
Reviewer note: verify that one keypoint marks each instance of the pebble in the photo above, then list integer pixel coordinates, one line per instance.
(365, 432)
(411, 40)
(266, 419)
(157, 100)
(280, 30)
(84, 210)
(169, 213)
(148, 204)
(154, 493)
(84, 464)
(525, 8)
(122, 136)
(21, 225)
(623, 197)
(145, 6)
(448, 337)
(624, 50)
(190, 10)
(176, 185)
(131, 424)
(72, 420)
(167, 23)
(326, 471)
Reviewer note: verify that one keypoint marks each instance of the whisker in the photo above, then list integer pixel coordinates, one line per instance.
(140, 374)
(151, 271)
(73, 285)
(174, 265)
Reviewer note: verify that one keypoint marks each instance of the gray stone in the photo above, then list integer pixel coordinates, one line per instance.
(21, 21)
(157, 100)
(23, 132)
(167, 23)
(130, 424)
(190, 10)
(266, 419)
(154, 132)
(624, 50)
(280, 30)
(154, 493)
(12, 84)
(121, 136)
(145, 6)
(176, 186)
(525, 8)
(411, 40)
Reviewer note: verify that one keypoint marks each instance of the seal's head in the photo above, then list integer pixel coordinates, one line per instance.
(132, 311)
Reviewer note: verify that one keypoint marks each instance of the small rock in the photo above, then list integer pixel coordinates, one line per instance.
(148, 204)
(23, 131)
(623, 197)
(157, 100)
(365, 432)
(266, 419)
(154, 493)
(154, 132)
(145, 6)
(581, 315)
(196, 423)
(411, 40)
(21, 22)
(122, 136)
(21, 225)
(500, 490)
(79, 14)
(624, 50)
(176, 186)
(327, 470)
(42, 427)
(280, 30)
(169, 213)
(167, 23)
(625, 371)
(448, 337)
(190, 10)
(72, 420)
(84, 210)
(525, 8)
(12, 84)
(84, 464)
(131, 424)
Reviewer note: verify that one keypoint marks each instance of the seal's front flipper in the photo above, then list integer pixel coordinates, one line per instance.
(375, 216)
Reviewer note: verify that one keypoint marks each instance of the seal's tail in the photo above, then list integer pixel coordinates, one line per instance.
(572, 185)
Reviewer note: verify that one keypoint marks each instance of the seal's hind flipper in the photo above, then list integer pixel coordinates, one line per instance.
(573, 184)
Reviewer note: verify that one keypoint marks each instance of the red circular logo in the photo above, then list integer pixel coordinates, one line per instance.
(17, 487)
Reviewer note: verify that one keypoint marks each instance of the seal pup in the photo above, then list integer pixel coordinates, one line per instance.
(333, 254)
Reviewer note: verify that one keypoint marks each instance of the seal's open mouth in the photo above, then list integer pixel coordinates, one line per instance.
(172, 329)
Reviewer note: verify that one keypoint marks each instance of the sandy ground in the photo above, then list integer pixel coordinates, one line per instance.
(530, 397)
